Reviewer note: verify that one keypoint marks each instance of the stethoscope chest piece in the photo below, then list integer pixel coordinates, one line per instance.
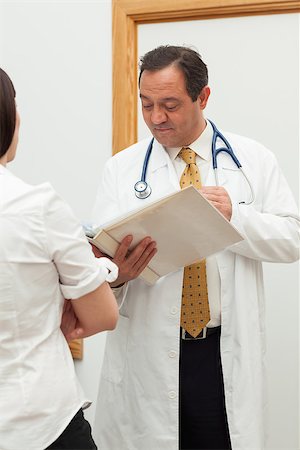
(142, 189)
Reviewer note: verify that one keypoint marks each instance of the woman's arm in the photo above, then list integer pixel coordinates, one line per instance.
(96, 311)
(83, 279)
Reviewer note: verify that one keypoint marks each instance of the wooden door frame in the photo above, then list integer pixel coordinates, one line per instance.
(128, 14)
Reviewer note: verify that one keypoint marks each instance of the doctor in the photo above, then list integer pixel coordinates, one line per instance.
(163, 386)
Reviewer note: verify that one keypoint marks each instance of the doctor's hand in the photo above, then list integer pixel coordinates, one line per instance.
(98, 252)
(219, 198)
(132, 262)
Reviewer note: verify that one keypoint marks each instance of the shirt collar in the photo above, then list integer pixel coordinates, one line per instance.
(201, 146)
(2, 168)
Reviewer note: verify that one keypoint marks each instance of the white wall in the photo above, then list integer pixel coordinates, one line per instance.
(58, 55)
(253, 65)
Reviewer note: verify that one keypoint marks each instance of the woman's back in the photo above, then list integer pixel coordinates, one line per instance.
(44, 257)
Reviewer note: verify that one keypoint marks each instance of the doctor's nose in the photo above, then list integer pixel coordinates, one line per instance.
(158, 116)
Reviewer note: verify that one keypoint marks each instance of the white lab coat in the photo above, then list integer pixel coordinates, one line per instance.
(138, 397)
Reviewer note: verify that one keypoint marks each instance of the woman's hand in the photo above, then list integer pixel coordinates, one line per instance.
(69, 323)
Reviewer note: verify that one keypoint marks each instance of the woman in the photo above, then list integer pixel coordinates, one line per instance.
(44, 258)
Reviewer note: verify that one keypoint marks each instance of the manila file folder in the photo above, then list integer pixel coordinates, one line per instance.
(185, 226)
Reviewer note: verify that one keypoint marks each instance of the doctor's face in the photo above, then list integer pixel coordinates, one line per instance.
(169, 112)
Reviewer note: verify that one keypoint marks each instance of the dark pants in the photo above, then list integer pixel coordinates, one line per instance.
(203, 421)
(77, 436)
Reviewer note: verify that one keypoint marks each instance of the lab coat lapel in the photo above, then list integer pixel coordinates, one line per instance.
(160, 162)
(230, 178)
(224, 162)
(211, 178)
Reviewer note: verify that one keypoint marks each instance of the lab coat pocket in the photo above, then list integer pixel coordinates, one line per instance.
(116, 352)
(236, 185)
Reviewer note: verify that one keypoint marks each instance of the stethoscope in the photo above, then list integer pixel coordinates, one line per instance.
(143, 190)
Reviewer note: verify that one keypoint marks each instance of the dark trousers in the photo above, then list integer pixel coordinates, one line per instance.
(77, 436)
(203, 421)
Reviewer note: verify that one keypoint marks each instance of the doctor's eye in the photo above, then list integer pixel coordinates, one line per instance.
(171, 107)
(147, 107)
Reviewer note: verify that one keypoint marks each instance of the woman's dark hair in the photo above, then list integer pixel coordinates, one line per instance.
(186, 59)
(7, 112)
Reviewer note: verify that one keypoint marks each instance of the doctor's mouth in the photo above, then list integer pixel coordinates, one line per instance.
(162, 129)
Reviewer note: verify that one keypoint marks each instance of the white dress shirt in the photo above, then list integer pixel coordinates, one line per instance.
(202, 148)
(44, 258)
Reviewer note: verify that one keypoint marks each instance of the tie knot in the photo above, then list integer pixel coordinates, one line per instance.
(188, 155)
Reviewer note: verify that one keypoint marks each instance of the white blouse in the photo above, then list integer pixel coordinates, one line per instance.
(44, 258)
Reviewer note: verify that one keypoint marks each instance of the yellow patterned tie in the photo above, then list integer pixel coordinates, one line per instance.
(194, 307)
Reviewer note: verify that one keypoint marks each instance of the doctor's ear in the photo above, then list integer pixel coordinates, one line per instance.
(203, 97)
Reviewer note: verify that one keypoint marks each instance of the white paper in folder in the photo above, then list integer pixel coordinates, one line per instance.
(185, 226)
